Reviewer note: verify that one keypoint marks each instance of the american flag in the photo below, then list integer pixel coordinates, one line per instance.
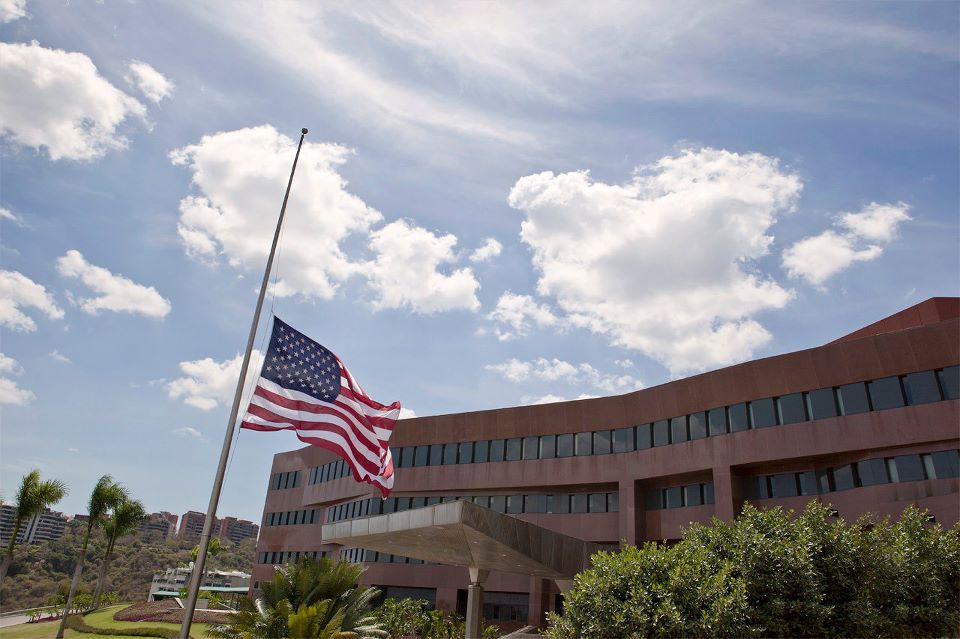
(305, 388)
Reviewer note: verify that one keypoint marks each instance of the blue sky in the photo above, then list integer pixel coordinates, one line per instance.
(498, 204)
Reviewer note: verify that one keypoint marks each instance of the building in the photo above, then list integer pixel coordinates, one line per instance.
(191, 525)
(868, 423)
(44, 526)
(170, 582)
(236, 530)
(158, 527)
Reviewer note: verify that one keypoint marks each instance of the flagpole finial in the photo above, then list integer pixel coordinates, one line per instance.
(303, 130)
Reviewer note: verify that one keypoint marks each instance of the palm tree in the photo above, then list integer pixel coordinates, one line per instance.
(310, 596)
(32, 497)
(126, 518)
(107, 495)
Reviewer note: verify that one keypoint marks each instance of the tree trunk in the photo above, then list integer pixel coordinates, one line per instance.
(8, 558)
(74, 583)
(101, 580)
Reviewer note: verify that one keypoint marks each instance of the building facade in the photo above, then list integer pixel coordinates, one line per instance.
(868, 423)
(191, 525)
(44, 526)
(236, 530)
(158, 527)
(170, 582)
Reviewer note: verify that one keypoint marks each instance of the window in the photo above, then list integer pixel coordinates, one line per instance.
(853, 398)
(872, 472)
(950, 382)
(481, 452)
(436, 454)
(465, 453)
(644, 436)
(514, 449)
(698, 425)
(482, 501)
(418, 502)
(498, 503)
(582, 444)
(763, 413)
(790, 409)
(653, 499)
(515, 504)
(661, 432)
(708, 493)
(403, 503)
(737, 415)
(843, 478)
(324, 472)
(909, 467)
(433, 501)
(548, 447)
(808, 483)
(406, 454)
(678, 429)
(613, 502)
(822, 403)
(597, 502)
(389, 505)
(755, 488)
(450, 454)
(535, 503)
(824, 481)
(578, 503)
(559, 504)
(946, 463)
(921, 388)
(717, 420)
(531, 447)
(497, 449)
(692, 495)
(886, 393)
(783, 485)
(673, 497)
(564, 445)
(421, 455)
(601, 442)
(623, 441)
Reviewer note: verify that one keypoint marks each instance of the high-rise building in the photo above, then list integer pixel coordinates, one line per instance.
(158, 527)
(191, 525)
(236, 530)
(44, 526)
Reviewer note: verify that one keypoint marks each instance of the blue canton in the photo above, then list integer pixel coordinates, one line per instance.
(298, 363)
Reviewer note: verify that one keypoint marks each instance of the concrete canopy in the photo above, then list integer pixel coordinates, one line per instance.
(460, 533)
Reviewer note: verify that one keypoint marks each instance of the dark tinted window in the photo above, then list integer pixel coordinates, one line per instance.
(496, 450)
(601, 442)
(548, 447)
(872, 472)
(673, 497)
(661, 433)
(481, 452)
(950, 382)
(718, 420)
(790, 409)
(678, 429)
(822, 403)
(946, 463)
(406, 456)
(498, 503)
(708, 493)
(482, 500)
(909, 467)
(535, 504)
(558, 504)
(843, 477)
(565, 445)
(824, 481)
(886, 393)
(755, 488)
(653, 499)
(514, 449)
(853, 398)
(583, 443)
(623, 440)
(515, 504)
(921, 388)
(808, 483)
(738, 418)
(644, 436)
(450, 453)
(763, 413)
(324, 470)
(421, 455)
(598, 502)
(698, 425)
(436, 454)
(465, 456)
(403, 503)
(578, 503)
(692, 495)
(783, 485)
(613, 502)
(531, 447)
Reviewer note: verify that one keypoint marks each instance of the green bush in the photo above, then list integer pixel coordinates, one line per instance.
(76, 622)
(771, 573)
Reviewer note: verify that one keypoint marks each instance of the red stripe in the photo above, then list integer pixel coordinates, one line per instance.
(361, 397)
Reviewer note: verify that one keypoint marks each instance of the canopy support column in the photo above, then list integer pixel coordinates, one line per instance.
(475, 602)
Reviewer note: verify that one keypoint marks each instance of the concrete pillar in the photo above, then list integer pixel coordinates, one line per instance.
(335, 552)
(727, 496)
(447, 599)
(633, 515)
(475, 602)
(539, 601)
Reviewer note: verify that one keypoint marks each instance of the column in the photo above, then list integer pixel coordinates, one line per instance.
(475, 602)
(633, 516)
(538, 602)
(726, 493)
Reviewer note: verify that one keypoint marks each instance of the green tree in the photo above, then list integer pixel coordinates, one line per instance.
(126, 518)
(400, 617)
(33, 496)
(214, 548)
(107, 496)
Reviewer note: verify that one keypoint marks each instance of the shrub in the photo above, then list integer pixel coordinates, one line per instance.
(401, 617)
(76, 622)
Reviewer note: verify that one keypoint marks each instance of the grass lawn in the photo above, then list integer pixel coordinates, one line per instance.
(99, 619)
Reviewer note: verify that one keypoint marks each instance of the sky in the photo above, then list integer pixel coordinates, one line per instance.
(497, 204)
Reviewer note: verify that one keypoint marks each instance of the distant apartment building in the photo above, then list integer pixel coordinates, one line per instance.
(45, 526)
(158, 527)
(191, 525)
(169, 582)
(236, 530)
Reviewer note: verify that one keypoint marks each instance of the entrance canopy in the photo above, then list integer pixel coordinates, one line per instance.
(461, 533)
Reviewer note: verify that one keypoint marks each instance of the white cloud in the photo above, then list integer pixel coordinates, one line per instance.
(406, 271)
(7, 214)
(8, 365)
(18, 290)
(11, 10)
(487, 251)
(554, 370)
(407, 413)
(187, 431)
(209, 383)
(113, 292)
(529, 400)
(624, 363)
(149, 81)
(10, 392)
(60, 357)
(513, 369)
(625, 260)
(860, 238)
(34, 112)
(517, 314)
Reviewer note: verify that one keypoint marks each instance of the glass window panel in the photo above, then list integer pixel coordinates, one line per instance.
(661, 432)
(482, 500)
(717, 418)
(843, 477)
(558, 504)
(578, 503)
(535, 504)
(436, 454)
(754, 488)
(531, 447)
(644, 436)
(613, 502)
(432, 501)
(496, 450)
(928, 470)
(418, 502)
(450, 453)
(465, 454)
(678, 429)
(950, 382)
(514, 449)
(909, 467)
(515, 504)
(389, 505)
(403, 503)
(783, 485)
(421, 455)
(737, 415)
(653, 499)
(824, 481)
(822, 403)
(808, 483)
(601, 442)
(791, 409)
(708, 493)
(548, 447)
(623, 441)
(481, 452)
(583, 443)
(698, 425)
(323, 472)
(886, 393)
(853, 398)
(946, 463)
(598, 502)
(872, 472)
(498, 503)
(565, 445)
(673, 497)
(692, 495)
(763, 413)
(921, 388)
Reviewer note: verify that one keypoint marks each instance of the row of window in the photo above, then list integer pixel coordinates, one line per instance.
(289, 479)
(849, 399)
(355, 555)
(293, 517)
(286, 556)
(510, 504)
(679, 496)
(870, 472)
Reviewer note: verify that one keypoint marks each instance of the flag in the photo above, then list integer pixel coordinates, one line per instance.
(305, 388)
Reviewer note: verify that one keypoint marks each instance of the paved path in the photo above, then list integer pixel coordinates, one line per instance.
(13, 620)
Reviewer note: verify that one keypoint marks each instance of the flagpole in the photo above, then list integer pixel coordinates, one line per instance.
(197, 575)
